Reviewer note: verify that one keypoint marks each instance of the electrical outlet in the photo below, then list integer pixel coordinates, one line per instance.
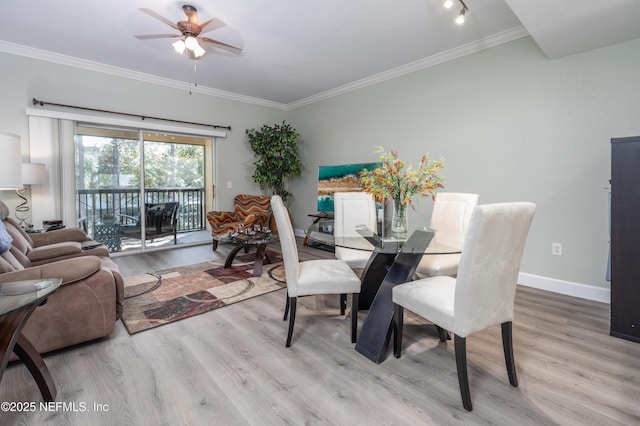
(556, 249)
(229, 184)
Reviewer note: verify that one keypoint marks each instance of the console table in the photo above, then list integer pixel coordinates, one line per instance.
(18, 300)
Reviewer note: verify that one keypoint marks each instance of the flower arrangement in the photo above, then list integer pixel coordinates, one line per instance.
(393, 181)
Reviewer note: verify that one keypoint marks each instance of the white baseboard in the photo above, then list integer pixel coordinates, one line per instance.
(583, 291)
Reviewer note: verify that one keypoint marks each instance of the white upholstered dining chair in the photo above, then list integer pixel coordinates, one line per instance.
(312, 277)
(483, 293)
(450, 219)
(350, 210)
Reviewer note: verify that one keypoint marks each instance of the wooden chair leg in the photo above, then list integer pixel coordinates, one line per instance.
(463, 378)
(343, 303)
(214, 245)
(292, 318)
(398, 325)
(286, 309)
(507, 346)
(444, 334)
(354, 316)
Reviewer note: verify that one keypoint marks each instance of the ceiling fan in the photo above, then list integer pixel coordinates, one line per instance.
(191, 33)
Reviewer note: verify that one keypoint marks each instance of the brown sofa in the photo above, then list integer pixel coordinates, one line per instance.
(87, 304)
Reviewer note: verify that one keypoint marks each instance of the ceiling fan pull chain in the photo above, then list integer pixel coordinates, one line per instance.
(193, 79)
(195, 75)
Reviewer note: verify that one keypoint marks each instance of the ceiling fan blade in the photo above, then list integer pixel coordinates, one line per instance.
(152, 36)
(223, 46)
(211, 24)
(158, 17)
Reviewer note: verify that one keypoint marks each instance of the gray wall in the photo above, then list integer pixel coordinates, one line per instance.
(511, 124)
(25, 78)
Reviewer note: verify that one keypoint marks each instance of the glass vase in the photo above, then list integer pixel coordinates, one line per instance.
(399, 224)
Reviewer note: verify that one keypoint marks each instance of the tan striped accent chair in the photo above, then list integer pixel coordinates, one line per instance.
(247, 210)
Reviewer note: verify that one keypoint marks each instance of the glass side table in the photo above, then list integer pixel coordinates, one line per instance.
(18, 300)
(258, 239)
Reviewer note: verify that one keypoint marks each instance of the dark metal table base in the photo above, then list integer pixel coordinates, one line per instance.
(372, 276)
(261, 256)
(373, 339)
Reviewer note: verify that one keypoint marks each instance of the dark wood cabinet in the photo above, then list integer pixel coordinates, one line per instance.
(625, 238)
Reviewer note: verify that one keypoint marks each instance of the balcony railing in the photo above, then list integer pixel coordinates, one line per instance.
(96, 204)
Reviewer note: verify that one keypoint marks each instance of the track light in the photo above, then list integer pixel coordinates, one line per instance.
(448, 4)
(460, 18)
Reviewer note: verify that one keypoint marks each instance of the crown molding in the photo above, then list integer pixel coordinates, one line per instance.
(57, 58)
(467, 49)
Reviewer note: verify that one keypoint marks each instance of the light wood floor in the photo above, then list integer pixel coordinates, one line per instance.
(230, 366)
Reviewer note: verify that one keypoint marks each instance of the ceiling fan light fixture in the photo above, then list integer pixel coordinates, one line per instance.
(191, 43)
(179, 46)
(198, 51)
(190, 31)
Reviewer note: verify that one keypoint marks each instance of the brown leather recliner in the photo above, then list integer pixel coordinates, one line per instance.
(247, 210)
(85, 307)
(90, 299)
(38, 249)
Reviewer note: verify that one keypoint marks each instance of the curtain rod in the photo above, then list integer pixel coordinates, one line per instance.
(37, 102)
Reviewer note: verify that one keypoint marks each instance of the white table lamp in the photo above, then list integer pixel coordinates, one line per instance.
(10, 161)
(32, 174)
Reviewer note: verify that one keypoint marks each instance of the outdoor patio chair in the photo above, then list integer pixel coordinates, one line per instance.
(161, 220)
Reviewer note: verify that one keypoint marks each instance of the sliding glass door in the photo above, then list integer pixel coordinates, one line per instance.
(138, 190)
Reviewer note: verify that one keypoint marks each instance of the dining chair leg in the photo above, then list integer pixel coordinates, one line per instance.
(286, 309)
(398, 325)
(292, 318)
(343, 303)
(444, 334)
(214, 245)
(354, 316)
(463, 378)
(507, 346)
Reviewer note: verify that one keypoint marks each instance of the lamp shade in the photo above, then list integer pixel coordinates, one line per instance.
(33, 174)
(10, 161)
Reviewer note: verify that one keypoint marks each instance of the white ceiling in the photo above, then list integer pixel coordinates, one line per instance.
(299, 51)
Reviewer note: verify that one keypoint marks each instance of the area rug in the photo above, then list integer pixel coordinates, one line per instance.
(163, 297)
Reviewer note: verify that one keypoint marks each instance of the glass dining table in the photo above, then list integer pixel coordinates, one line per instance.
(392, 261)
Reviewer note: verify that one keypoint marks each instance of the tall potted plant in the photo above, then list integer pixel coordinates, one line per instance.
(278, 158)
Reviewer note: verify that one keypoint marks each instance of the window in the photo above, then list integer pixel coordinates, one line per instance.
(139, 190)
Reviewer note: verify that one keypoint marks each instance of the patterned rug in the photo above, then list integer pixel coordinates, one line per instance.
(163, 297)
